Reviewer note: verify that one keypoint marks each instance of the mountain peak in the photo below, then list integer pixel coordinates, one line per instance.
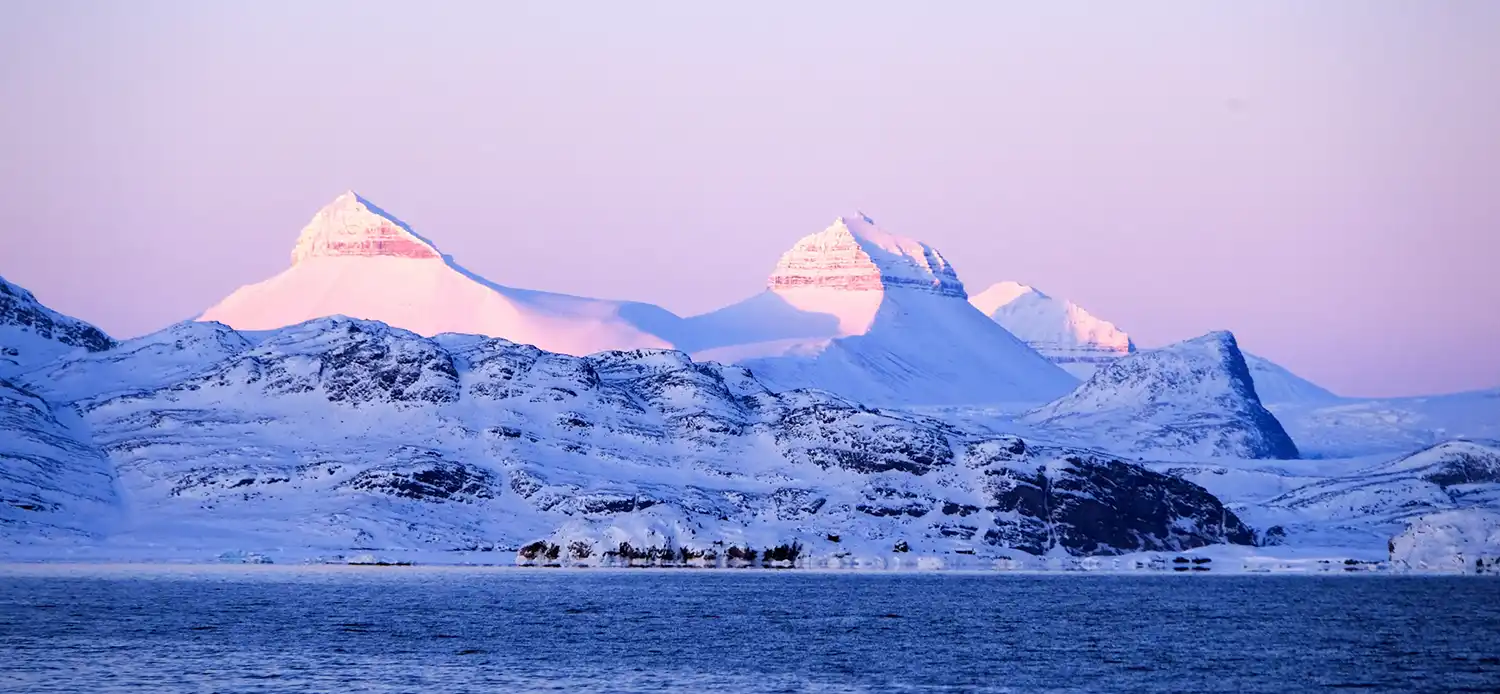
(855, 254)
(353, 226)
(1061, 330)
(1194, 396)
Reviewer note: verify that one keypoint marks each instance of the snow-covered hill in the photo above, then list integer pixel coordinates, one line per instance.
(32, 334)
(339, 433)
(1057, 328)
(355, 259)
(1193, 398)
(877, 318)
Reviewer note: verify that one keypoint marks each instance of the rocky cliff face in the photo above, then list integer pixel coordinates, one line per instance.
(853, 254)
(31, 334)
(1195, 397)
(341, 433)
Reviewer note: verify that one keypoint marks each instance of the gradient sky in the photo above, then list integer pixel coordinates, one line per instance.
(1322, 178)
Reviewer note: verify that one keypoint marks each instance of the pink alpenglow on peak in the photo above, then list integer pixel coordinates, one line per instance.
(875, 317)
(352, 226)
(1061, 330)
(855, 254)
(354, 259)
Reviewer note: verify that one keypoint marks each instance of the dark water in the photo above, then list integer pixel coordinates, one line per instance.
(410, 629)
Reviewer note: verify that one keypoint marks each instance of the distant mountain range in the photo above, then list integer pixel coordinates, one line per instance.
(376, 394)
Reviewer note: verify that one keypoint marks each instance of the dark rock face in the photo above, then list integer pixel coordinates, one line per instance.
(19, 308)
(1460, 462)
(853, 438)
(1088, 504)
(428, 479)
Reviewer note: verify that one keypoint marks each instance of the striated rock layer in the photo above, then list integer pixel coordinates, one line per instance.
(853, 254)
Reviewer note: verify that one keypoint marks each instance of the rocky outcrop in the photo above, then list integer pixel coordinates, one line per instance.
(32, 334)
(1195, 397)
(1087, 503)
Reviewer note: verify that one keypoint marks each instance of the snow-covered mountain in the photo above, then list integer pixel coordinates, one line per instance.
(875, 317)
(355, 259)
(1057, 328)
(1079, 342)
(341, 433)
(32, 334)
(1194, 397)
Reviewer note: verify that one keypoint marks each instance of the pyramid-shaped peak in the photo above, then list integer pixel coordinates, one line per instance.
(353, 226)
(1002, 293)
(855, 254)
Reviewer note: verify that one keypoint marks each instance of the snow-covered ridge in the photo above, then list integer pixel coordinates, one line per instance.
(353, 226)
(854, 254)
(32, 334)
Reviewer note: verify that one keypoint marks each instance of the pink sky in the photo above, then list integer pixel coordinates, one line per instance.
(1322, 178)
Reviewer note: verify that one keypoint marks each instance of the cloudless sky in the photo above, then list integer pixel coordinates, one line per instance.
(1322, 178)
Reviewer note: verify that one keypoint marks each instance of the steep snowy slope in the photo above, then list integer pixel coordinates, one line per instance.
(1193, 398)
(1057, 328)
(53, 482)
(32, 334)
(877, 318)
(355, 259)
(339, 433)
(1276, 385)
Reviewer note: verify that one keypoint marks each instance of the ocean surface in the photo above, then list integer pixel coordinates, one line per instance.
(389, 629)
